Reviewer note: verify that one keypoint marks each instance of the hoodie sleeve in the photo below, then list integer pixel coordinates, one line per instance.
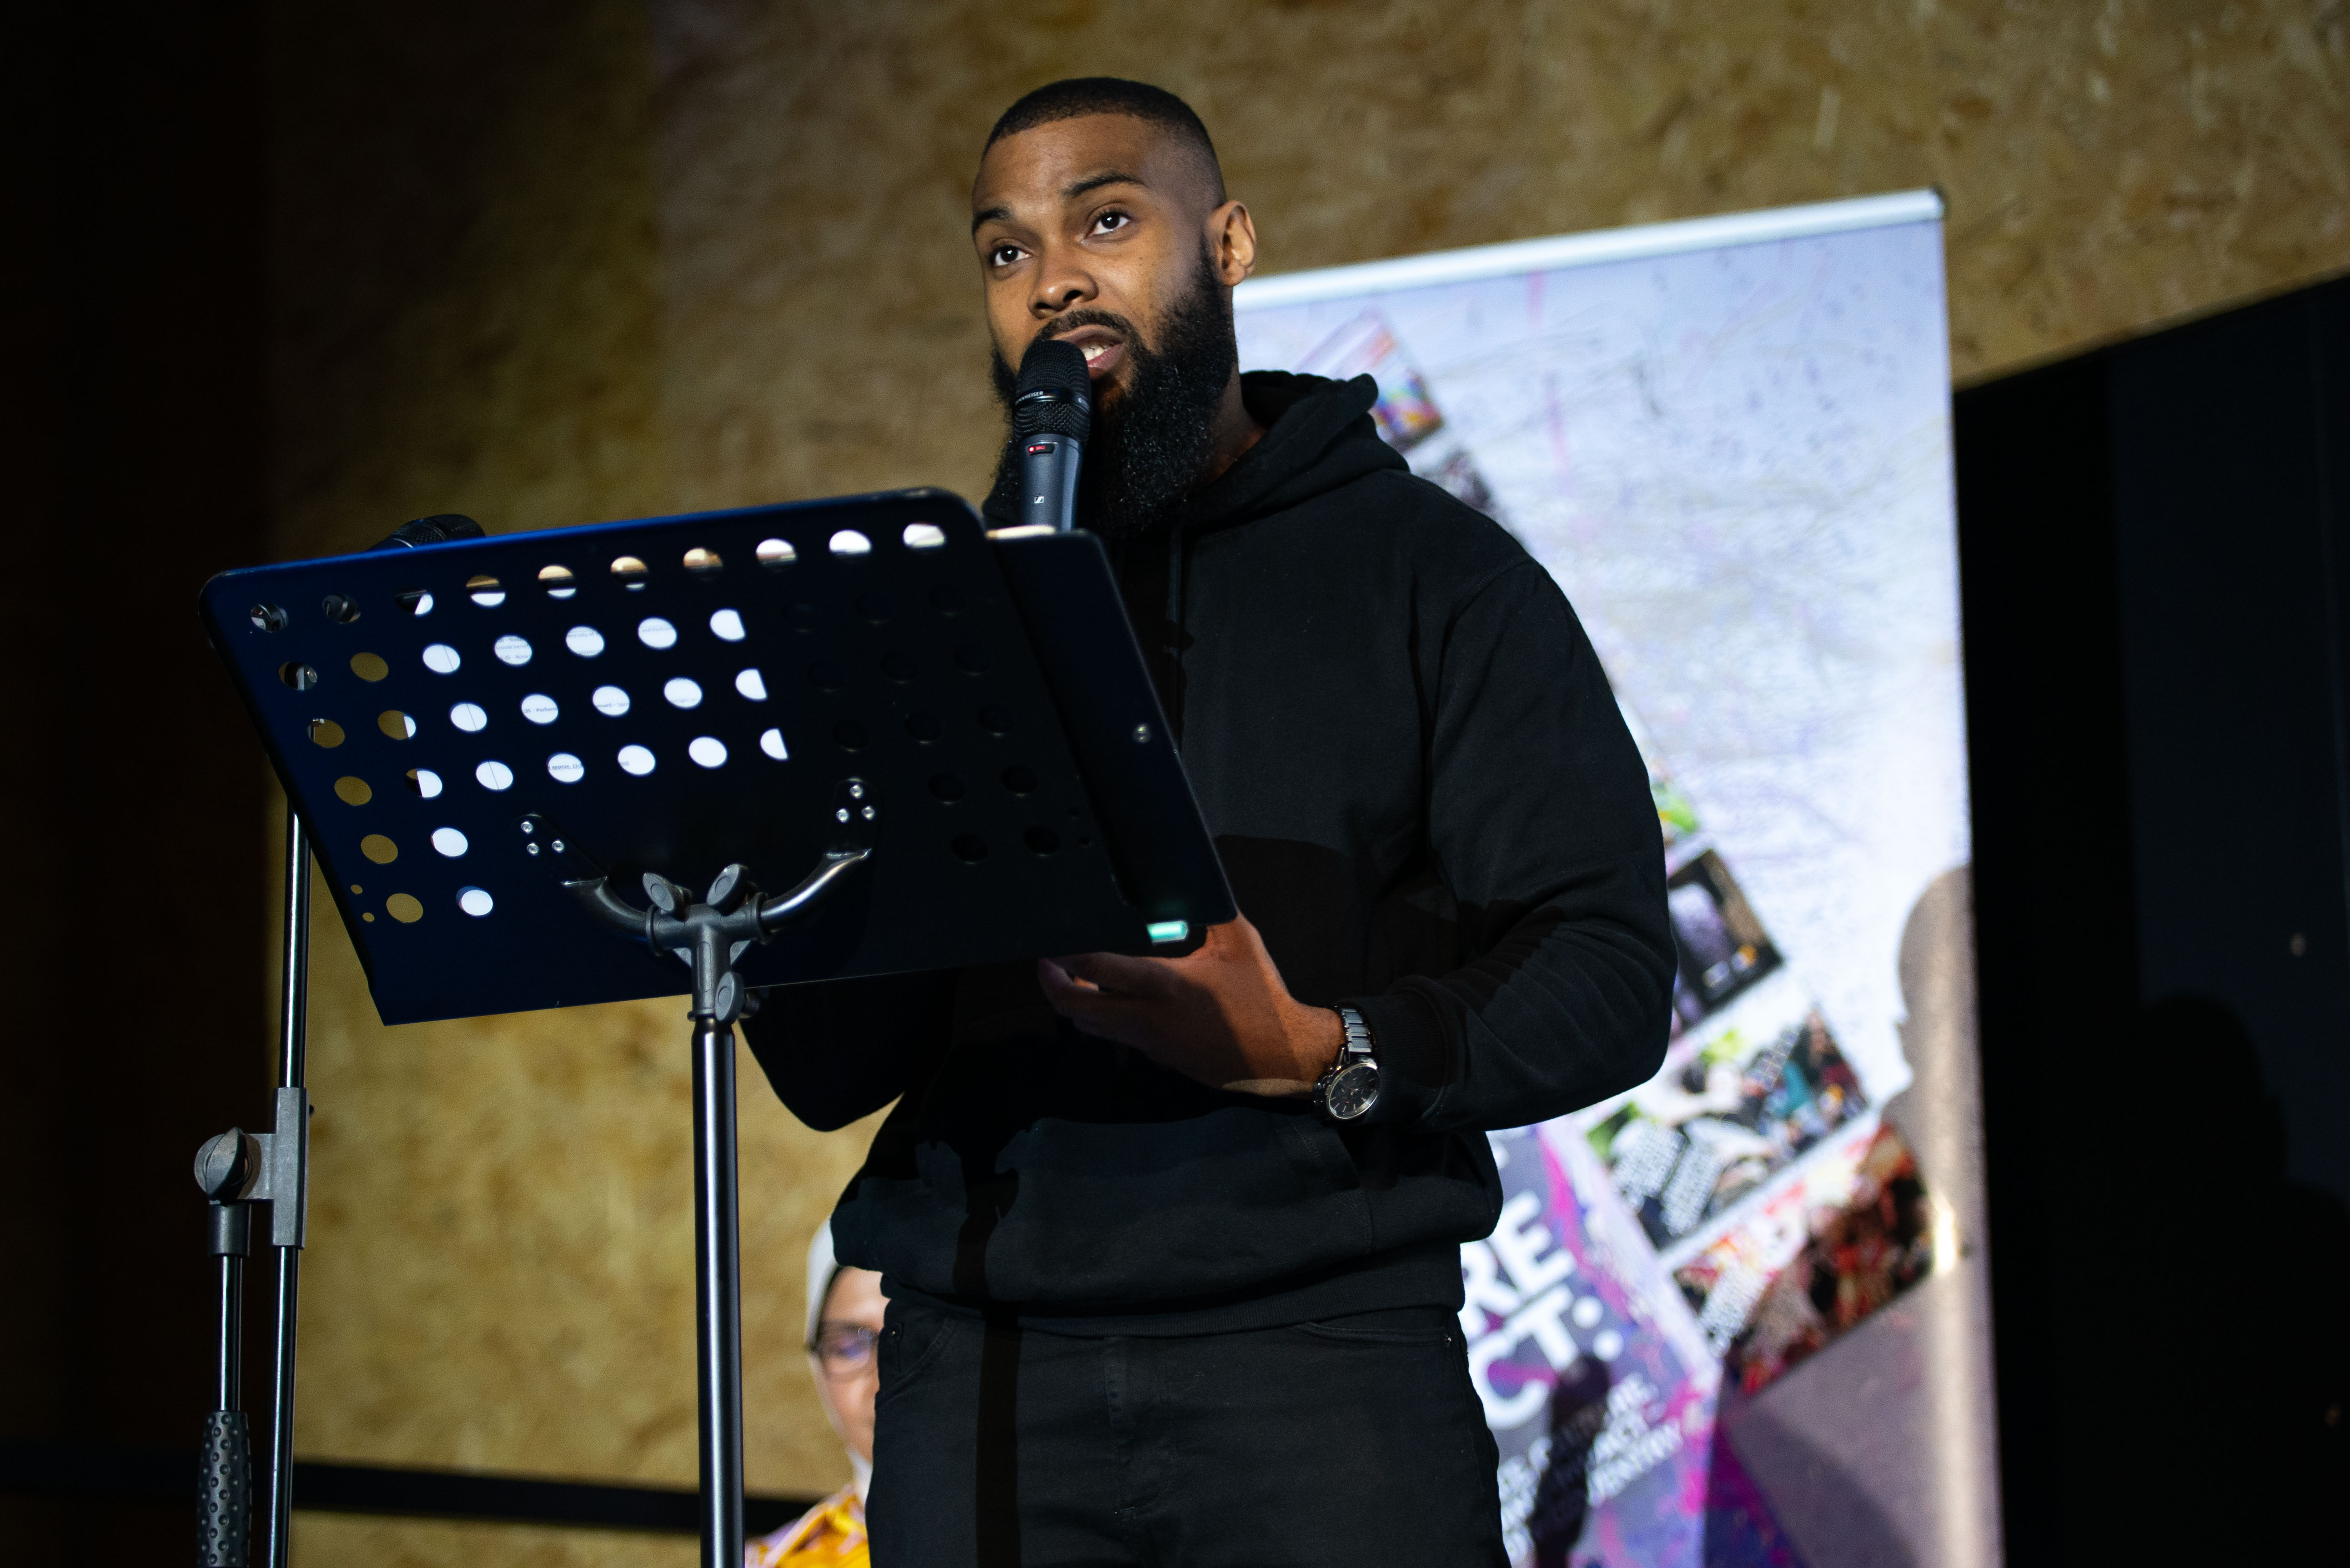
(1542, 831)
(838, 1050)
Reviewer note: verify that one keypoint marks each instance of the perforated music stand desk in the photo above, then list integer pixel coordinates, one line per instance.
(949, 742)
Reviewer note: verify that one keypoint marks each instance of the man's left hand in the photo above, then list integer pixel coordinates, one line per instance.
(1221, 1015)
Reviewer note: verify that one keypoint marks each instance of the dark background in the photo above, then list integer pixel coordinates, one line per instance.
(135, 953)
(2154, 576)
(2153, 566)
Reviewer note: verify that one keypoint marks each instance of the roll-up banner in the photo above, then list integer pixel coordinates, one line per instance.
(1735, 1316)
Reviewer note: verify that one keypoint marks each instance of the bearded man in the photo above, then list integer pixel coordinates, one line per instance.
(1172, 1245)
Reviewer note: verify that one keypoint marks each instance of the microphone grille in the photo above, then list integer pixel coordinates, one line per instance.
(1055, 394)
(1051, 416)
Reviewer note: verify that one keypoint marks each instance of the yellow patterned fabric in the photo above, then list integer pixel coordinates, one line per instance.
(831, 1534)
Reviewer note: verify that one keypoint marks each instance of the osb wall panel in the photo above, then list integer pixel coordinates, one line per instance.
(548, 264)
(2104, 166)
(346, 1542)
(500, 1272)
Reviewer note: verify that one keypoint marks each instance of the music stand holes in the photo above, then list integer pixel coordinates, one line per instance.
(450, 842)
(380, 849)
(875, 607)
(340, 610)
(771, 742)
(484, 591)
(423, 782)
(610, 701)
(476, 901)
(849, 541)
(971, 658)
(267, 618)
(369, 667)
(726, 624)
(897, 667)
(403, 908)
(1043, 840)
(1019, 781)
(969, 847)
(947, 601)
(564, 768)
(512, 651)
(923, 727)
(584, 640)
(707, 751)
(326, 733)
(655, 633)
(703, 562)
(636, 760)
(353, 791)
(803, 616)
(924, 537)
(777, 553)
(540, 709)
(357, 890)
(682, 693)
(826, 677)
(297, 675)
(630, 572)
(995, 721)
(850, 734)
(413, 601)
(751, 685)
(442, 660)
(396, 725)
(469, 717)
(558, 582)
(947, 787)
(494, 776)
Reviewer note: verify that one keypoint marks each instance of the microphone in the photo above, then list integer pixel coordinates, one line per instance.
(435, 530)
(1051, 414)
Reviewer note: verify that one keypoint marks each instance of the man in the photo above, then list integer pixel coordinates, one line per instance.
(845, 1308)
(1172, 1258)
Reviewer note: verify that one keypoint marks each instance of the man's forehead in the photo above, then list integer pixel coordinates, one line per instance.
(1050, 163)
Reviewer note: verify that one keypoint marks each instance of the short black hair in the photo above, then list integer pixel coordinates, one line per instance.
(1076, 96)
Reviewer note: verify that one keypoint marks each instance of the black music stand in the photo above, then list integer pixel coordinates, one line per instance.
(949, 742)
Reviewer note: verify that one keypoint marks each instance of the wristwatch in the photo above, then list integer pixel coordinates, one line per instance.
(1349, 1087)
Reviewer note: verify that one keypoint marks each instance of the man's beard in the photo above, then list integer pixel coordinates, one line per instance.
(1151, 443)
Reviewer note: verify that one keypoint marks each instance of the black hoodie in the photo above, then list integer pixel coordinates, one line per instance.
(1426, 800)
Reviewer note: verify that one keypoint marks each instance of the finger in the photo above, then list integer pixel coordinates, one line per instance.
(1101, 1014)
(1053, 979)
(1127, 976)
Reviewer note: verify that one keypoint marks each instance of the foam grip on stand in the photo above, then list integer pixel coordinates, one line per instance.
(223, 1493)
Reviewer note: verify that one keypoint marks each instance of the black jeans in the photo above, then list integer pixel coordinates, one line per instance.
(1357, 1442)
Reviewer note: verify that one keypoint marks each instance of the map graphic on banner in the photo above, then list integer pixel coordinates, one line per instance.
(1729, 441)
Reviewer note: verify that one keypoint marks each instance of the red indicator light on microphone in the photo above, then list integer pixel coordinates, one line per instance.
(1040, 446)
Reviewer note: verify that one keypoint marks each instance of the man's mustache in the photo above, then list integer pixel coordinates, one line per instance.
(1061, 326)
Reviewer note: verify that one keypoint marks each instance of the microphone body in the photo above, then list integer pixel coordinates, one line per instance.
(1052, 415)
(1049, 480)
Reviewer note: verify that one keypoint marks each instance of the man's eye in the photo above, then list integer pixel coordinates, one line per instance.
(1003, 256)
(1108, 222)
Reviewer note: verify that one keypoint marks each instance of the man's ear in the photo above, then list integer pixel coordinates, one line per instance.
(1231, 242)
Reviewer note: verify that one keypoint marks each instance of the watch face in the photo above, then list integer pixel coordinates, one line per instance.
(1352, 1090)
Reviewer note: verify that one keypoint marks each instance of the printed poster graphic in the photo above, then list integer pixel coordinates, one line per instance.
(1735, 461)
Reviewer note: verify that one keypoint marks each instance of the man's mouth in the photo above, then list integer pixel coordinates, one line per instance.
(1104, 349)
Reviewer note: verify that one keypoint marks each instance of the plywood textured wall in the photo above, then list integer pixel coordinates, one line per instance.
(548, 264)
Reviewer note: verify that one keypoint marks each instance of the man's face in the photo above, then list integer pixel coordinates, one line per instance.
(1093, 230)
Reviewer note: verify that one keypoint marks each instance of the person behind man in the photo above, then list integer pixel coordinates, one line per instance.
(844, 1324)
(1172, 1245)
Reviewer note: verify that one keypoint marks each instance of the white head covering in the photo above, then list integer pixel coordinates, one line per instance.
(823, 1268)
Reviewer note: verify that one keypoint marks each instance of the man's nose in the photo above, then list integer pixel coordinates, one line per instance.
(1060, 284)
